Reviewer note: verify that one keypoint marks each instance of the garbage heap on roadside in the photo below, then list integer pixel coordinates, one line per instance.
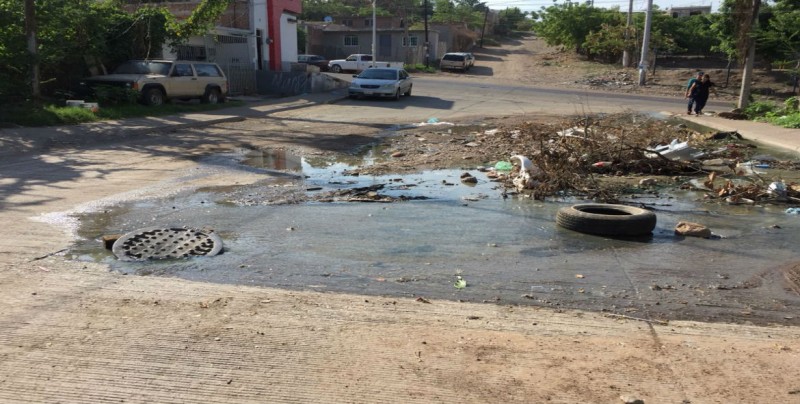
(579, 159)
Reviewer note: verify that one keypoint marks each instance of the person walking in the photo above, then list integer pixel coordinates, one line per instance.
(698, 94)
(689, 85)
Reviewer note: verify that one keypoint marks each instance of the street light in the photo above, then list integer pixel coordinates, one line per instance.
(374, 53)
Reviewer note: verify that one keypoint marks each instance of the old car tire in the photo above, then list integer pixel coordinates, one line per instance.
(336, 69)
(212, 96)
(607, 219)
(153, 97)
(408, 93)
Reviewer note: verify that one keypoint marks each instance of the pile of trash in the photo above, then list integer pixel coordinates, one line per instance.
(576, 161)
(615, 79)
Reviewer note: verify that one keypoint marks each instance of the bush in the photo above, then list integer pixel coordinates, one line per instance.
(759, 109)
(787, 116)
(420, 67)
(110, 95)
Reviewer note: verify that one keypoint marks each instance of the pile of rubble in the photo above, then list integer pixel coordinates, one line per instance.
(578, 160)
(613, 79)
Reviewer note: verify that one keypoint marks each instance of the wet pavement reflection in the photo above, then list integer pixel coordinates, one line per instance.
(508, 250)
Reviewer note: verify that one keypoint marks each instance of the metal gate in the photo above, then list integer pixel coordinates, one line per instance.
(232, 53)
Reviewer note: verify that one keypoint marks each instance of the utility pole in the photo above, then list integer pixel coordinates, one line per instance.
(485, 17)
(427, 44)
(30, 33)
(374, 33)
(648, 22)
(626, 55)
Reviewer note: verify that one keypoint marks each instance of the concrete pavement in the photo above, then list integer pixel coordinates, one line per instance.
(758, 131)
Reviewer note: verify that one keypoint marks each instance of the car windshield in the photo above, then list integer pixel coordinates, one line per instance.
(451, 56)
(142, 67)
(378, 74)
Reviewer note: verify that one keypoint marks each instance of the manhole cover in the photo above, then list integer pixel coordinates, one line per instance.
(159, 243)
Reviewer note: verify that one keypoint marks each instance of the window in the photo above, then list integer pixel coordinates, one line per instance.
(347, 23)
(182, 70)
(207, 70)
(350, 40)
(411, 41)
(368, 22)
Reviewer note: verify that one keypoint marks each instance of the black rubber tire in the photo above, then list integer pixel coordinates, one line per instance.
(607, 219)
(212, 96)
(397, 95)
(153, 97)
(336, 69)
(408, 93)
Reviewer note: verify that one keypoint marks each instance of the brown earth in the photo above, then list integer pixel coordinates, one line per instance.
(75, 332)
(531, 61)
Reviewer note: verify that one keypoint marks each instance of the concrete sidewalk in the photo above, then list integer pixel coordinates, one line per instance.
(757, 131)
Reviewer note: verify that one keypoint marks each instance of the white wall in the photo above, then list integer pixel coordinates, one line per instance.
(288, 41)
(258, 20)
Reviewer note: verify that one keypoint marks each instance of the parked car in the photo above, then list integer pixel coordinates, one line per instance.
(358, 62)
(381, 82)
(470, 59)
(157, 81)
(454, 61)
(314, 60)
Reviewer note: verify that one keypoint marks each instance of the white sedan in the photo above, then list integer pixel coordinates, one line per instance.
(381, 82)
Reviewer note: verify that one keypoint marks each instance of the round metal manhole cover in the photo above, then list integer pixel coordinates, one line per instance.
(170, 243)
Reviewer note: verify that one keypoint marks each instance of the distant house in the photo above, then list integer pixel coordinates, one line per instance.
(676, 12)
(394, 39)
(250, 36)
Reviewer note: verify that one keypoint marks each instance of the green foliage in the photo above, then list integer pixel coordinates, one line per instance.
(459, 11)
(792, 104)
(420, 67)
(778, 36)
(48, 114)
(759, 109)
(569, 24)
(787, 116)
(512, 19)
(694, 34)
(72, 34)
(111, 95)
(200, 21)
(609, 42)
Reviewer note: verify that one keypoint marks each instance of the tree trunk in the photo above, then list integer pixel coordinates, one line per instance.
(30, 33)
(747, 78)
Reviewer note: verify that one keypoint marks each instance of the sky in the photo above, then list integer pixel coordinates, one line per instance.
(638, 5)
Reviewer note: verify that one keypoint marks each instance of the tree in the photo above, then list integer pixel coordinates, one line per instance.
(511, 19)
(778, 36)
(71, 34)
(569, 24)
(468, 12)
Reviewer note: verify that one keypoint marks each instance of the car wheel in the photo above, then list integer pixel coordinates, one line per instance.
(607, 219)
(211, 96)
(336, 69)
(397, 95)
(153, 97)
(408, 93)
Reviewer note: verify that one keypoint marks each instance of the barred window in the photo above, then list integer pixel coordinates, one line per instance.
(350, 40)
(411, 41)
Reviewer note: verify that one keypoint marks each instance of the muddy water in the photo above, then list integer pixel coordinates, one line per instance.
(508, 250)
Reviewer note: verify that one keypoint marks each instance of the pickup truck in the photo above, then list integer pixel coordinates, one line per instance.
(358, 62)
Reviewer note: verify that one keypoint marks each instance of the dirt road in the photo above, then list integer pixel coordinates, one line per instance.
(75, 332)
